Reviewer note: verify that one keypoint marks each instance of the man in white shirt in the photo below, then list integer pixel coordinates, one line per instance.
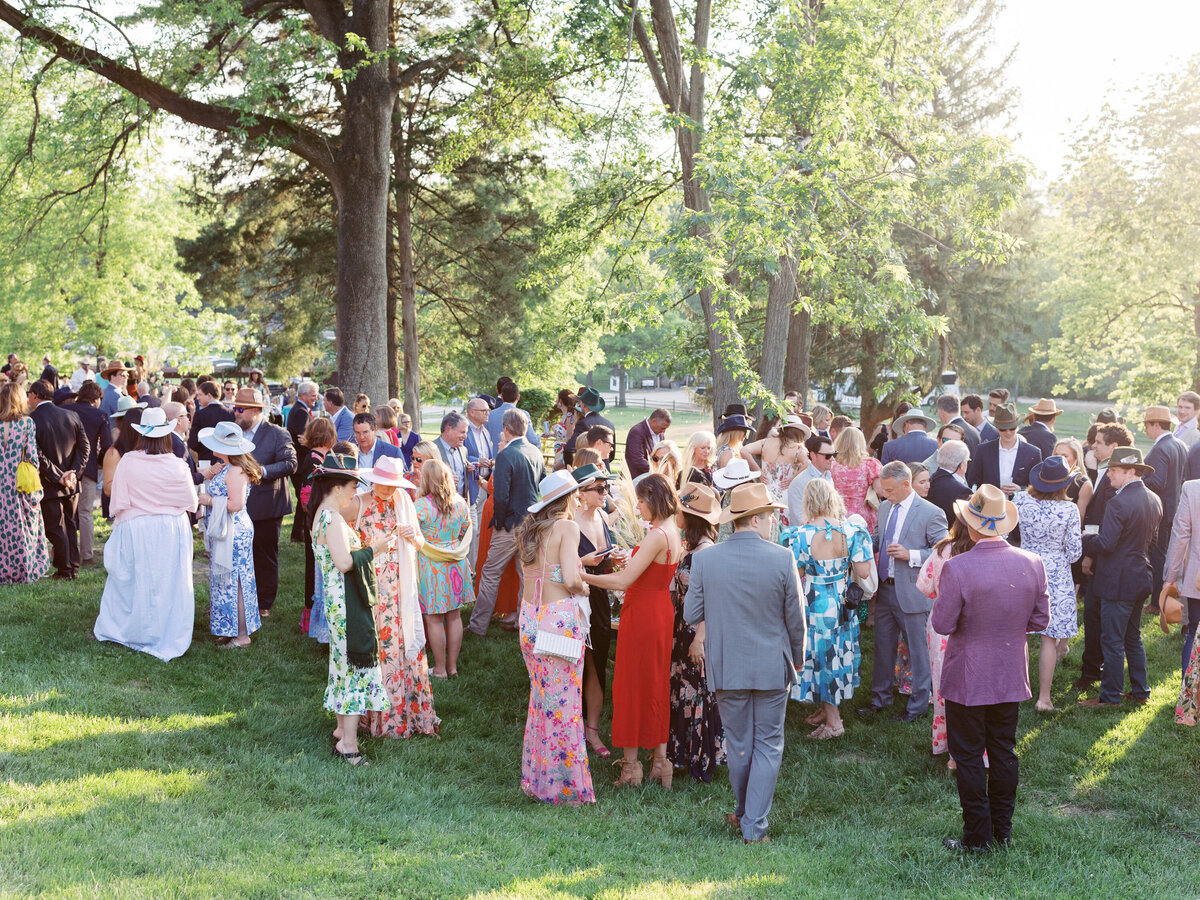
(820, 460)
(82, 374)
(480, 448)
(450, 445)
(1187, 408)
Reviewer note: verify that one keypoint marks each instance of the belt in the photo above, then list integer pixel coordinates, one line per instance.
(889, 581)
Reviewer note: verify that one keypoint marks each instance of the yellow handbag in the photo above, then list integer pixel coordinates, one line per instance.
(28, 481)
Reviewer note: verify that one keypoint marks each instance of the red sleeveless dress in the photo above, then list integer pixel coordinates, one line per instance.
(641, 688)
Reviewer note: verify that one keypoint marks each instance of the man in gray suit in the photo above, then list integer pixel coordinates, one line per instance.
(908, 528)
(746, 590)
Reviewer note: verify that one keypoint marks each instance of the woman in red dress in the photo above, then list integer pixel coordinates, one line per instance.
(641, 687)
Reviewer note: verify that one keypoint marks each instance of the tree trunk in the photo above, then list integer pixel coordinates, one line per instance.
(408, 297)
(781, 294)
(622, 384)
(1196, 336)
(393, 310)
(870, 413)
(795, 376)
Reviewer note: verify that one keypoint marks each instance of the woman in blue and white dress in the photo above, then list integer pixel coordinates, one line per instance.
(825, 547)
(229, 537)
(1050, 528)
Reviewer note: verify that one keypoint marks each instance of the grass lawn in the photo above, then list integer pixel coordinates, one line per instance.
(212, 776)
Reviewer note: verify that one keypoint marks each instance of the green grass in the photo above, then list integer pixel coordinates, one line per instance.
(211, 776)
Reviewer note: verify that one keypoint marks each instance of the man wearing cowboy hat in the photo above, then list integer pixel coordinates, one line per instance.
(82, 374)
(746, 590)
(270, 500)
(1040, 430)
(905, 533)
(1123, 576)
(988, 599)
(910, 439)
(590, 405)
(1007, 461)
(116, 374)
(1168, 459)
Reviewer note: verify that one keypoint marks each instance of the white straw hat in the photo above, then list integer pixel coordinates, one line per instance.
(154, 424)
(225, 437)
(553, 487)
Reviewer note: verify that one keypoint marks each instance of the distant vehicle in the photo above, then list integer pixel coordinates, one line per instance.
(949, 385)
(844, 393)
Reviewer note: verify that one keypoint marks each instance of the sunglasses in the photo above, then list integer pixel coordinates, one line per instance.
(598, 489)
(828, 455)
(239, 409)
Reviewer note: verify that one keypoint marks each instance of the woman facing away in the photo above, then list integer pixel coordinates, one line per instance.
(855, 472)
(24, 553)
(553, 629)
(782, 457)
(316, 442)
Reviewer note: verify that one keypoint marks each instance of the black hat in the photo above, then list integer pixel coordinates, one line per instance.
(734, 409)
(337, 467)
(736, 422)
(63, 394)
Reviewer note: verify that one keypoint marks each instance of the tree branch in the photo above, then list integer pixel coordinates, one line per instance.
(330, 18)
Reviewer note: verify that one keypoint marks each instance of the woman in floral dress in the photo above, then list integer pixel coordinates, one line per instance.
(445, 573)
(855, 472)
(24, 556)
(1188, 708)
(378, 512)
(697, 739)
(352, 691)
(782, 457)
(825, 547)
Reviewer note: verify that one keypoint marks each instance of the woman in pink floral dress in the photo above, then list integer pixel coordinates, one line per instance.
(24, 556)
(958, 541)
(398, 616)
(855, 472)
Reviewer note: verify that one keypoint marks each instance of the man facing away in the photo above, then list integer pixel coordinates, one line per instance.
(989, 598)
(746, 591)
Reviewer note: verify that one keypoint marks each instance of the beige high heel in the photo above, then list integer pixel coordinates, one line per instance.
(662, 772)
(631, 772)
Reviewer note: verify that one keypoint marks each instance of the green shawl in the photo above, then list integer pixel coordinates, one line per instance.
(362, 642)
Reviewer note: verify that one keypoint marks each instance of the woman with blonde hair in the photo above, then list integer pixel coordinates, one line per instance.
(24, 555)
(822, 417)
(1080, 490)
(385, 427)
(855, 474)
(445, 574)
(666, 460)
(828, 549)
(698, 458)
(731, 438)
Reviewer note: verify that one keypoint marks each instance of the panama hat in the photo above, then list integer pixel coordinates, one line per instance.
(155, 424)
(1159, 414)
(124, 404)
(591, 472)
(913, 415)
(736, 422)
(797, 423)
(701, 501)
(1044, 407)
(1050, 475)
(248, 397)
(225, 437)
(988, 511)
(553, 487)
(748, 500)
(590, 397)
(388, 471)
(1128, 458)
(1107, 416)
(736, 472)
(115, 366)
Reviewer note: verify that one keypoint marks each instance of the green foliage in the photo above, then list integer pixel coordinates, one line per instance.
(538, 402)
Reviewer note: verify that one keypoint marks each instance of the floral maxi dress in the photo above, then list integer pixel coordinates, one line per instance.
(350, 691)
(24, 554)
(223, 589)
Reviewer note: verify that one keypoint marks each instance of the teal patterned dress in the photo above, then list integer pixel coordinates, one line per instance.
(443, 586)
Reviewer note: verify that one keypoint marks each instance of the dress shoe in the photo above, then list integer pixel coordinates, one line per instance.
(959, 847)
(1133, 698)
(733, 821)
(1082, 684)
(1097, 703)
(867, 711)
(63, 576)
(907, 717)
(762, 840)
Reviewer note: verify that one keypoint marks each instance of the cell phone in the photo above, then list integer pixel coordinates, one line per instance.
(600, 553)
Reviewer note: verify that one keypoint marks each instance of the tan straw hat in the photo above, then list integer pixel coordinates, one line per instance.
(701, 501)
(988, 511)
(1159, 414)
(748, 500)
(1043, 407)
(248, 397)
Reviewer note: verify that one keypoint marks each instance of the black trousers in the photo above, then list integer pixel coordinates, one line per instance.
(1158, 560)
(989, 795)
(1092, 664)
(61, 516)
(266, 560)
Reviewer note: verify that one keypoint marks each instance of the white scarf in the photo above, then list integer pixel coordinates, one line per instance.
(411, 624)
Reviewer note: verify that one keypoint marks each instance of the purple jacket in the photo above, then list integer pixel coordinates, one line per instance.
(988, 600)
(639, 444)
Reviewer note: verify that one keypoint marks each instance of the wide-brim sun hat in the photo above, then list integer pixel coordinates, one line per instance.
(591, 472)
(736, 422)
(113, 367)
(336, 467)
(796, 423)
(701, 501)
(554, 487)
(124, 404)
(388, 471)
(988, 512)
(913, 415)
(155, 424)
(736, 472)
(1050, 475)
(748, 500)
(225, 437)
(248, 397)
(1159, 414)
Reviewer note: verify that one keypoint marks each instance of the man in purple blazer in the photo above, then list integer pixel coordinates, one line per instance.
(642, 439)
(988, 600)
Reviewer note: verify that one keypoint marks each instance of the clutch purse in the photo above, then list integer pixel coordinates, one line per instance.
(550, 643)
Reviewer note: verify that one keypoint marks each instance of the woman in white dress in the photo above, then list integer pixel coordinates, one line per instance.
(148, 602)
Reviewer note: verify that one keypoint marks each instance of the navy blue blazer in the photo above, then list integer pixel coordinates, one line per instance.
(970, 433)
(383, 448)
(98, 428)
(916, 446)
(944, 489)
(988, 432)
(985, 464)
(1041, 437)
(519, 468)
(275, 452)
(1169, 457)
(206, 417)
(476, 452)
(1122, 547)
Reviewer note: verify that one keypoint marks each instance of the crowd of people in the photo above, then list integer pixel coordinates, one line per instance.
(738, 572)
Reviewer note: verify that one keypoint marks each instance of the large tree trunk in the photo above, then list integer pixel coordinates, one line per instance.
(795, 374)
(408, 296)
(870, 413)
(393, 309)
(781, 294)
(1196, 338)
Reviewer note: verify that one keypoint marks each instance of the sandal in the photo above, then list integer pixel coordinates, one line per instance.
(827, 732)
(631, 772)
(817, 718)
(355, 758)
(598, 747)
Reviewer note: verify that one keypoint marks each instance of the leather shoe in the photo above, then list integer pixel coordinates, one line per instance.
(1082, 684)
(867, 711)
(1133, 698)
(907, 717)
(959, 847)
(1097, 703)
(762, 840)
(733, 821)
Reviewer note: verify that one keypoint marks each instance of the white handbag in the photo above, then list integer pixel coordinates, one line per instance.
(550, 643)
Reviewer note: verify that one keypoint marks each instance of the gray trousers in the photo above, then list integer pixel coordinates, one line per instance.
(890, 622)
(753, 722)
(87, 525)
(502, 549)
(476, 523)
(1121, 640)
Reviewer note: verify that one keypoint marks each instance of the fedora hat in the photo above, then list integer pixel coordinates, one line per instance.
(748, 500)
(113, 367)
(988, 511)
(913, 415)
(154, 424)
(736, 422)
(553, 487)
(701, 501)
(590, 397)
(798, 424)
(1107, 416)
(591, 472)
(248, 398)
(1170, 609)
(124, 404)
(1128, 458)
(224, 437)
(1050, 475)
(335, 466)
(63, 394)
(1159, 414)
(1044, 407)
(1006, 417)
(734, 409)
(388, 471)
(736, 472)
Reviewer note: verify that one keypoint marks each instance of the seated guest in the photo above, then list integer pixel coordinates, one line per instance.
(148, 602)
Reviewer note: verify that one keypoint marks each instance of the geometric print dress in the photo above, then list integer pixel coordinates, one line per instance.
(24, 555)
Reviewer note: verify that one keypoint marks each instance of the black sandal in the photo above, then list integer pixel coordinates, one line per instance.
(351, 757)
